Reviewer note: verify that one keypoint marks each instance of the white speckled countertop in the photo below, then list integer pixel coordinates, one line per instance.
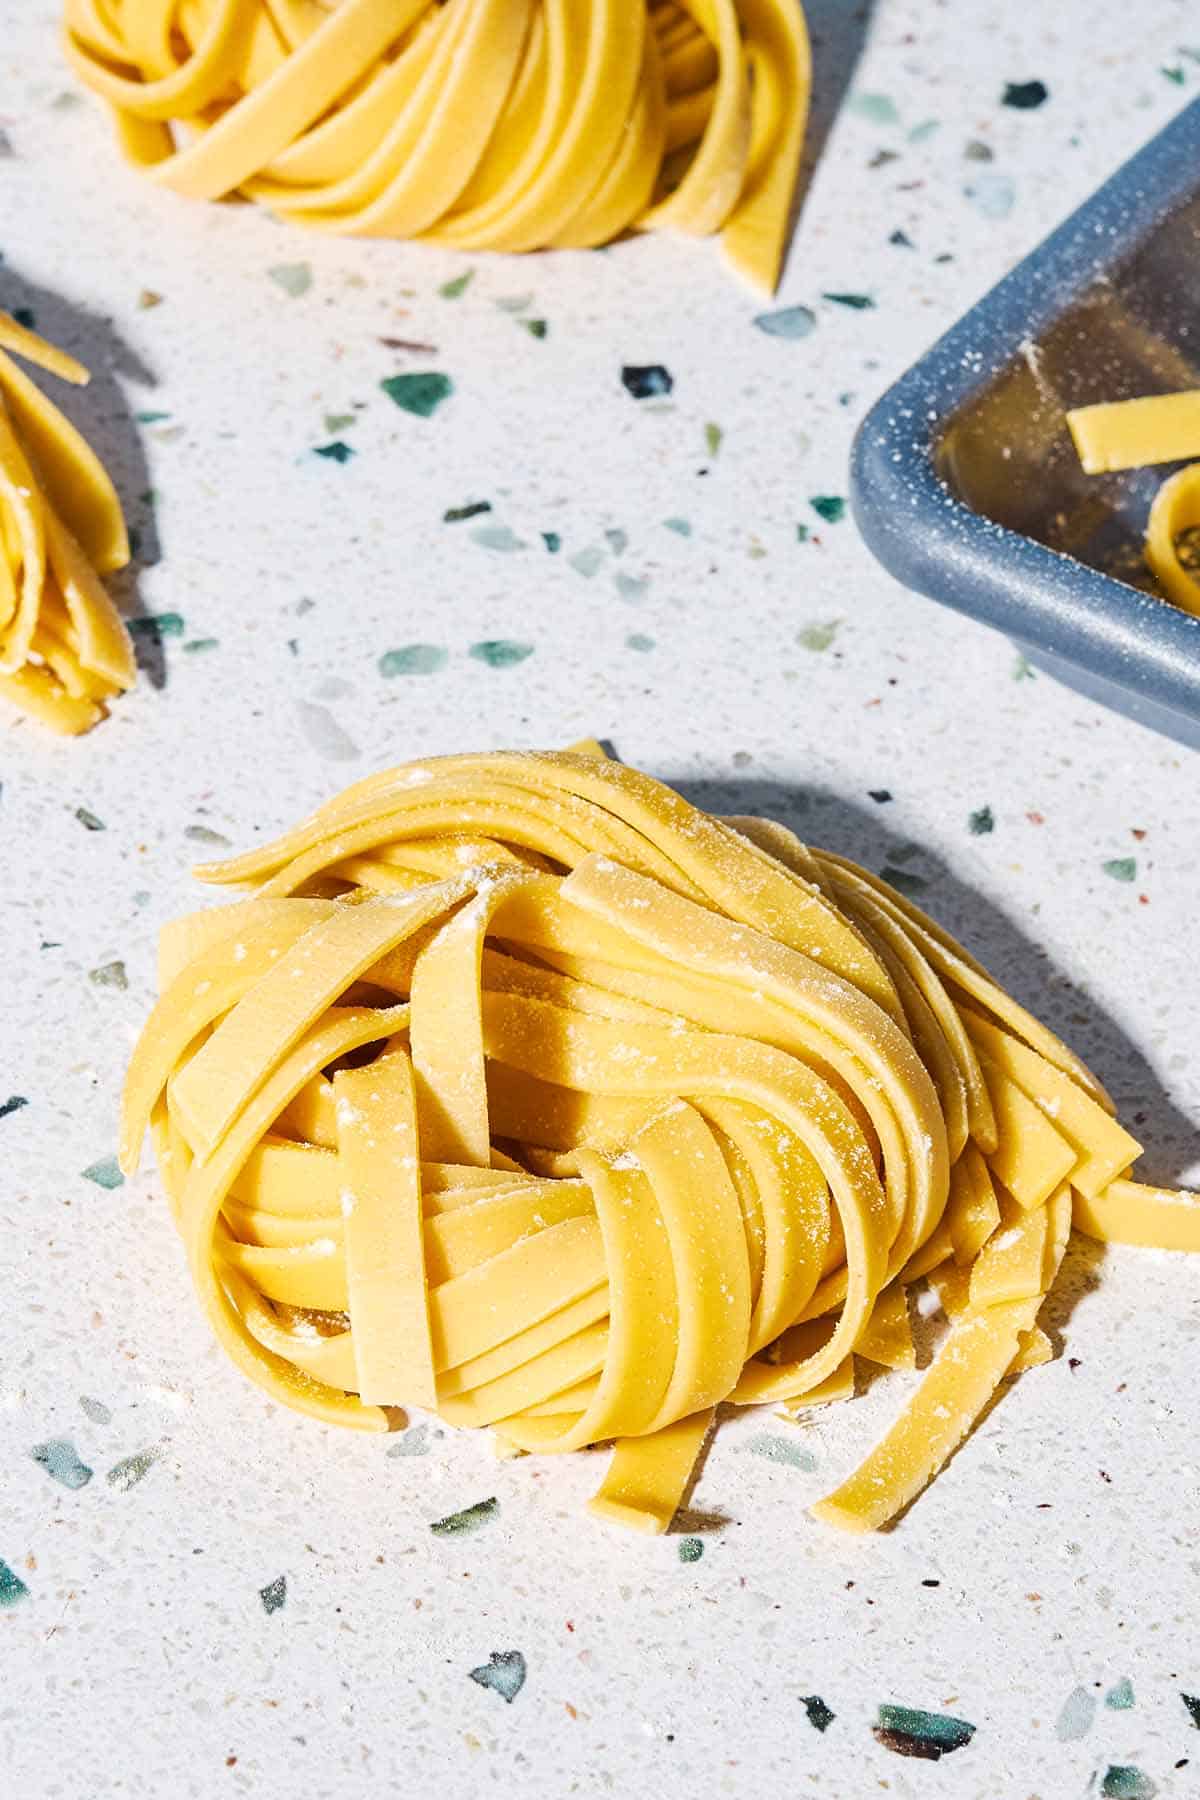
(255, 1604)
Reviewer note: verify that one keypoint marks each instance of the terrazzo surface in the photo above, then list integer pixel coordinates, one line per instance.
(390, 502)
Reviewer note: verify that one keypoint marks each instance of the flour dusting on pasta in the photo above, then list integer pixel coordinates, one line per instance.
(532, 1095)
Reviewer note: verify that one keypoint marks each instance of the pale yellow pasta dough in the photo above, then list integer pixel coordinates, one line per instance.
(523, 1091)
(1176, 510)
(481, 124)
(1126, 434)
(64, 651)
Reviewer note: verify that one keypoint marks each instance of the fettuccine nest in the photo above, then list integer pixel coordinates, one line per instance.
(481, 124)
(523, 1091)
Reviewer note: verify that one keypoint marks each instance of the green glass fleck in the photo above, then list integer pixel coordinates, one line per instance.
(337, 452)
(88, 820)
(157, 625)
(586, 562)
(198, 646)
(420, 394)
(497, 537)
(335, 422)
(637, 640)
(500, 653)
(856, 302)
(681, 527)
(13, 1104)
(1125, 1781)
(830, 507)
(820, 1716)
(454, 515)
(981, 822)
(150, 418)
(712, 438)
(106, 1173)
(110, 975)
(818, 637)
(455, 289)
(1121, 868)
(537, 328)
(412, 1442)
(690, 1550)
(552, 541)
(787, 322)
(937, 1733)
(879, 109)
(504, 1673)
(131, 1469)
(802, 534)
(294, 278)
(413, 659)
(274, 1595)
(471, 1518)
(1120, 1696)
(62, 1463)
(778, 1449)
(12, 1588)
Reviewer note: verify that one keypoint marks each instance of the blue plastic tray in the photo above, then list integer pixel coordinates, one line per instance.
(964, 480)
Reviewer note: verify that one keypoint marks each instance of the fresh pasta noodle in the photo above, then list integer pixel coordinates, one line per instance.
(523, 1090)
(483, 124)
(1174, 514)
(1129, 434)
(63, 649)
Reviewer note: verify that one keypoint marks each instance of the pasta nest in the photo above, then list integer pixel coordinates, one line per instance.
(523, 1091)
(479, 124)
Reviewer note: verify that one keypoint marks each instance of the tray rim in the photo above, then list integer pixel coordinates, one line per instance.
(933, 541)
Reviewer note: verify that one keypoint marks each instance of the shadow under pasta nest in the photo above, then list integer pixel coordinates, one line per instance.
(100, 411)
(838, 33)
